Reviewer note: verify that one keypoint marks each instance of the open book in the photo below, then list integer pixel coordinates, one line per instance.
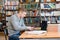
(36, 32)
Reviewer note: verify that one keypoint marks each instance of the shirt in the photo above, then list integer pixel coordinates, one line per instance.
(15, 25)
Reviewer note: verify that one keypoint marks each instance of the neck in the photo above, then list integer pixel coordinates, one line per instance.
(19, 16)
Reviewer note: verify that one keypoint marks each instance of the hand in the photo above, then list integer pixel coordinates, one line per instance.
(30, 28)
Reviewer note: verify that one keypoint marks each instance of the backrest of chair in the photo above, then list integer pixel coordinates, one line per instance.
(6, 31)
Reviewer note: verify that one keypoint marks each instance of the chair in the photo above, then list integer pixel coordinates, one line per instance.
(6, 33)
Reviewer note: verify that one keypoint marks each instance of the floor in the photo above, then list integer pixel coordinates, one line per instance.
(2, 37)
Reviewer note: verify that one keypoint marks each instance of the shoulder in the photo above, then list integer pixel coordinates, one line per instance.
(13, 17)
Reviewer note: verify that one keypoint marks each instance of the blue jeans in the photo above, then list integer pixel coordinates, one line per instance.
(14, 37)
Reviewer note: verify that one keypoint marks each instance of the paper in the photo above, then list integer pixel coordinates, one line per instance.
(36, 32)
(57, 0)
(37, 0)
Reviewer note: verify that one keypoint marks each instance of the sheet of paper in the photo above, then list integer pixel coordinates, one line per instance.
(36, 32)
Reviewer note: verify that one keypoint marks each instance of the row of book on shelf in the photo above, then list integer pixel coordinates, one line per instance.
(11, 12)
(29, 5)
(37, 20)
(36, 5)
(36, 13)
(27, 1)
(11, 7)
(1, 2)
(50, 0)
(50, 5)
(11, 2)
(51, 13)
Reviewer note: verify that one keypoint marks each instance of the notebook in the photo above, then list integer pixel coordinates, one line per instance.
(35, 32)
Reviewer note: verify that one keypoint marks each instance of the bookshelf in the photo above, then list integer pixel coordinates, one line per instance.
(11, 7)
(37, 10)
(50, 11)
(33, 16)
(2, 16)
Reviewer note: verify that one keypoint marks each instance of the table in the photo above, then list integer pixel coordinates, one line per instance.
(45, 36)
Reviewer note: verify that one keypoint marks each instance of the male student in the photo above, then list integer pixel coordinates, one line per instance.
(16, 24)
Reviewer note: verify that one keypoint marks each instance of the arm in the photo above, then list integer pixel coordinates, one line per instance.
(16, 25)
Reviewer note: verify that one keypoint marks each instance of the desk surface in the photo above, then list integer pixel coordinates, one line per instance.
(45, 35)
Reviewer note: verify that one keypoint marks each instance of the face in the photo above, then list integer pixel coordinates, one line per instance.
(23, 14)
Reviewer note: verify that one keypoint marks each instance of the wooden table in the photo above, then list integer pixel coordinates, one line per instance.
(45, 36)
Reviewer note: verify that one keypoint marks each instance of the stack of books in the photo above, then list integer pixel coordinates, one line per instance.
(47, 5)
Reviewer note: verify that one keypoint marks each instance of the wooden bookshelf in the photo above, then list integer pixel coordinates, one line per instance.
(32, 5)
(51, 10)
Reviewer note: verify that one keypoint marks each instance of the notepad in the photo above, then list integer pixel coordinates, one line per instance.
(36, 32)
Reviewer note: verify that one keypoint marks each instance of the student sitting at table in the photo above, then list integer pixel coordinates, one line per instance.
(16, 24)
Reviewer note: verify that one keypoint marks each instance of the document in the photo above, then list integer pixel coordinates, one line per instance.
(35, 32)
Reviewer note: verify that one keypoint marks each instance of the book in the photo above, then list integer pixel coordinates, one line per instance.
(52, 13)
(36, 0)
(56, 13)
(42, 14)
(9, 13)
(48, 0)
(42, 6)
(57, 0)
(47, 14)
(52, 5)
(53, 20)
(58, 19)
(58, 5)
(34, 6)
(53, 0)
(28, 6)
(42, 0)
(36, 32)
(47, 5)
(36, 13)
(0, 14)
(31, 13)
(1, 2)
(45, 1)
(22, 1)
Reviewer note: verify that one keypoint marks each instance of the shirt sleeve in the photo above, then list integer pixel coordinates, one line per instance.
(24, 23)
(16, 24)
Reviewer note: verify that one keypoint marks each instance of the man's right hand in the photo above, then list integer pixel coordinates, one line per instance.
(30, 28)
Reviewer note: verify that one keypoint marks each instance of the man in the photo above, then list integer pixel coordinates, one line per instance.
(16, 24)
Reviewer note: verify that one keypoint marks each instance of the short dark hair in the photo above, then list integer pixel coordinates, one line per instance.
(22, 9)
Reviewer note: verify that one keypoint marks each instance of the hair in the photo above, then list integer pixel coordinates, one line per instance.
(22, 9)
